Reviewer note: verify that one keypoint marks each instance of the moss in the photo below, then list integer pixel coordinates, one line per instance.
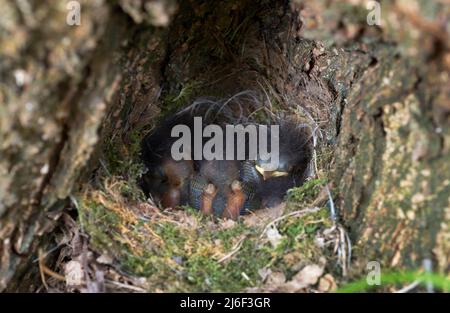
(175, 101)
(398, 279)
(298, 244)
(303, 194)
(122, 159)
(183, 250)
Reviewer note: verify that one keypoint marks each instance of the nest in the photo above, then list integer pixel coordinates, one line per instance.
(124, 242)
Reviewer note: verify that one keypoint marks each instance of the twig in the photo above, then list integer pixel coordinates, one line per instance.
(232, 252)
(428, 266)
(53, 274)
(332, 207)
(125, 286)
(43, 269)
(295, 213)
(342, 251)
(409, 287)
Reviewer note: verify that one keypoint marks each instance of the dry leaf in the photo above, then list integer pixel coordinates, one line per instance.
(327, 283)
(146, 209)
(308, 276)
(105, 259)
(275, 279)
(263, 216)
(274, 236)
(264, 273)
(226, 224)
(74, 273)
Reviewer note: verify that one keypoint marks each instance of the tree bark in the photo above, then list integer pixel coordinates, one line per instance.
(66, 90)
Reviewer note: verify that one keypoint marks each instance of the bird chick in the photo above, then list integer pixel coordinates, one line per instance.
(167, 180)
(235, 201)
(207, 198)
(295, 152)
(219, 173)
(273, 190)
(226, 188)
(175, 189)
(251, 186)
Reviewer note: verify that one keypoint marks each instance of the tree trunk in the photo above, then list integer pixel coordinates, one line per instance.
(66, 91)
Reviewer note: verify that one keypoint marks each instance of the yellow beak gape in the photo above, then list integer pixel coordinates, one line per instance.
(267, 174)
(279, 174)
(259, 169)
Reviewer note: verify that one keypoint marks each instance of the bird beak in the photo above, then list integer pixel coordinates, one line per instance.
(259, 169)
(267, 174)
(279, 174)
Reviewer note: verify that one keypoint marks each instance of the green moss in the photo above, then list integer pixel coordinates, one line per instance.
(308, 191)
(186, 251)
(122, 159)
(175, 101)
(399, 279)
